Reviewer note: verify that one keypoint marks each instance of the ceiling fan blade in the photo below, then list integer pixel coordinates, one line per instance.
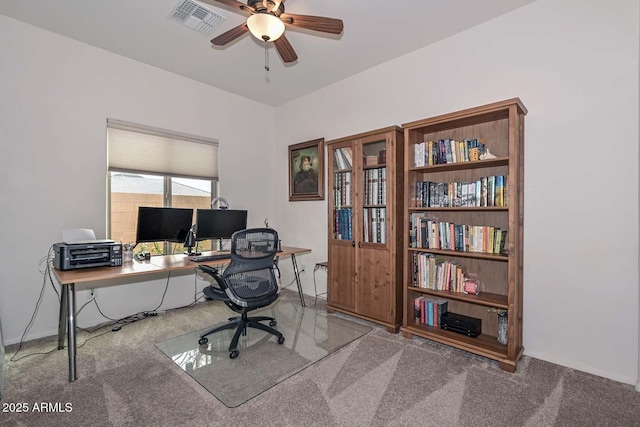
(316, 23)
(232, 3)
(230, 35)
(285, 50)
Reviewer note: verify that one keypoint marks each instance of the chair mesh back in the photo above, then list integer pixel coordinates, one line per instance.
(249, 275)
(252, 284)
(254, 243)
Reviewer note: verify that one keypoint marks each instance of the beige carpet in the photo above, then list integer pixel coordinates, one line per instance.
(379, 379)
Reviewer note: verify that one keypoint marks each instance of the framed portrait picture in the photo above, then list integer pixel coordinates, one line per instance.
(306, 171)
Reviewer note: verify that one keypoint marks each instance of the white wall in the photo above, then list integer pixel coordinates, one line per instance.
(56, 95)
(574, 64)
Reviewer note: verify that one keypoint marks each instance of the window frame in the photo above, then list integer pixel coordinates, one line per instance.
(167, 176)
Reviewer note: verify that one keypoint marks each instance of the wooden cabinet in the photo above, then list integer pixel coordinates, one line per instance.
(365, 226)
(456, 224)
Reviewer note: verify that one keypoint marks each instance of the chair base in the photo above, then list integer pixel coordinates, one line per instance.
(240, 324)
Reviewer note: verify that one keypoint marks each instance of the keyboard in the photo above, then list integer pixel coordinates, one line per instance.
(205, 258)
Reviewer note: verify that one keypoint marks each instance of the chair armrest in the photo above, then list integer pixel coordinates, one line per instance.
(213, 292)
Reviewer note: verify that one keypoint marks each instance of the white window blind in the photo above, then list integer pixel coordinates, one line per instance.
(140, 149)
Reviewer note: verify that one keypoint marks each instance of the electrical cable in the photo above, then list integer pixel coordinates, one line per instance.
(122, 321)
(290, 283)
(48, 259)
(35, 311)
(133, 317)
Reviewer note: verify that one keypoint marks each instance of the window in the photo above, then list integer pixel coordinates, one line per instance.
(152, 167)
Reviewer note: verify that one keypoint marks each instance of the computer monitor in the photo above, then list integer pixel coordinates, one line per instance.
(219, 223)
(158, 224)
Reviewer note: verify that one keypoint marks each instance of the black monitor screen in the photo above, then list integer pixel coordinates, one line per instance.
(219, 223)
(158, 224)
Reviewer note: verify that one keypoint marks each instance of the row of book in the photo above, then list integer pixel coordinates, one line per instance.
(343, 158)
(429, 311)
(487, 191)
(375, 225)
(375, 186)
(431, 234)
(342, 222)
(448, 150)
(433, 272)
(342, 189)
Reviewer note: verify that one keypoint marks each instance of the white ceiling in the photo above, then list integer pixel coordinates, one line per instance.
(375, 31)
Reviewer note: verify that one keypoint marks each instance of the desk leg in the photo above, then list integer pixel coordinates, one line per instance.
(62, 320)
(71, 333)
(297, 276)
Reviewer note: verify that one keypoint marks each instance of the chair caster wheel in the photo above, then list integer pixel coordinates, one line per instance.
(234, 354)
(203, 340)
(273, 323)
(281, 340)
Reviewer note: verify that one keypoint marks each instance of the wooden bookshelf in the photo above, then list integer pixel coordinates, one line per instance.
(500, 127)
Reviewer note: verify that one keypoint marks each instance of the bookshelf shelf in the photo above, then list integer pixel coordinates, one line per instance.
(503, 258)
(478, 164)
(378, 166)
(457, 198)
(365, 238)
(462, 209)
(485, 298)
(483, 345)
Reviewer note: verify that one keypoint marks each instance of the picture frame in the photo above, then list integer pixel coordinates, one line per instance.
(306, 171)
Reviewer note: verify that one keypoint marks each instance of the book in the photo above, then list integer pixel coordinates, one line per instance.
(491, 190)
(417, 310)
(504, 249)
(483, 191)
(506, 190)
(382, 157)
(429, 315)
(371, 160)
(423, 317)
(346, 152)
(339, 160)
(499, 198)
(441, 306)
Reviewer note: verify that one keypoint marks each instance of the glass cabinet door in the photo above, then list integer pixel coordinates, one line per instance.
(373, 178)
(342, 193)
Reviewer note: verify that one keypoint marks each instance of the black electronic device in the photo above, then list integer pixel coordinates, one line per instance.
(159, 224)
(190, 242)
(219, 223)
(210, 257)
(461, 324)
(85, 254)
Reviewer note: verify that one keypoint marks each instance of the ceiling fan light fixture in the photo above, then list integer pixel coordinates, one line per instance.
(265, 26)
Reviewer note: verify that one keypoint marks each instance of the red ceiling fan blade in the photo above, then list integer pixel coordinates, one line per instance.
(316, 23)
(231, 3)
(285, 50)
(230, 35)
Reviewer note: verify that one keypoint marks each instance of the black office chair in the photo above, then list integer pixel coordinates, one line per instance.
(247, 283)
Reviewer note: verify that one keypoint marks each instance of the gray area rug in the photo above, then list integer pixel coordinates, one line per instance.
(310, 335)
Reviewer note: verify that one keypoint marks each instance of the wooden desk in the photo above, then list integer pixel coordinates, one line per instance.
(157, 264)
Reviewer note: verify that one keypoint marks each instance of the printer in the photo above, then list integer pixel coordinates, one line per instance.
(87, 253)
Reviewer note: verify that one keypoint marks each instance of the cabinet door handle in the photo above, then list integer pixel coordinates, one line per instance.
(360, 244)
(353, 243)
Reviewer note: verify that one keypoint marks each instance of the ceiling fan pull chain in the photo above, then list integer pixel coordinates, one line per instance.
(266, 56)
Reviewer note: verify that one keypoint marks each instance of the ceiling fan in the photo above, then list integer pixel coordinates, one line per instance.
(267, 21)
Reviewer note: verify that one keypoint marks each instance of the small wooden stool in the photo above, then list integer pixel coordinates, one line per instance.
(325, 267)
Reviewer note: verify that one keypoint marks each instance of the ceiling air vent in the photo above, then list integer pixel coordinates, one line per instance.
(196, 17)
